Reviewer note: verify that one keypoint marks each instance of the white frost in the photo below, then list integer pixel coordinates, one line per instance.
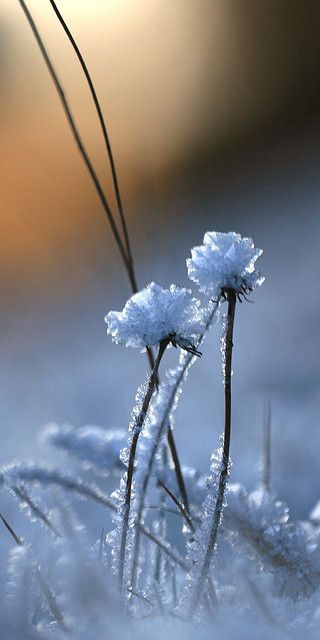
(225, 260)
(154, 314)
(94, 445)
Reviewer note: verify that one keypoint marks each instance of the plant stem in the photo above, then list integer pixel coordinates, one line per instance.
(47, 478)
(152, 383)
(126, 254)
(79, 142)
(103, 129)
(180, 506)
(266, 463)
(224, 472)
(161, 431)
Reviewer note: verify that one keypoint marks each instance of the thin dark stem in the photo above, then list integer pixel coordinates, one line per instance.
(48, 594)
(178, 504)
(173, 448)
(161, 431)
(79, 141)
(152, 383)
(161, 530)
(126, 255)
(103, 128)
(224, 472)
(22, 494)
(16, 538)
(47, 477)
(266, 463)
(178, 470)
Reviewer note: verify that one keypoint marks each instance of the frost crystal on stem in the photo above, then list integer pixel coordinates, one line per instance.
(95, 446)
(225, 261)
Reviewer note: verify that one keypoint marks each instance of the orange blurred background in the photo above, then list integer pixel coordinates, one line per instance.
(183, 83)
(213, 112)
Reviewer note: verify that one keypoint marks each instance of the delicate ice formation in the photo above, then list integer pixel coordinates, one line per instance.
(225, 261)
(94, 445)
(153, 314)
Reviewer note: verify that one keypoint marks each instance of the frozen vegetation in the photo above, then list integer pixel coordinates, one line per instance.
(121, 540)
(179, 552)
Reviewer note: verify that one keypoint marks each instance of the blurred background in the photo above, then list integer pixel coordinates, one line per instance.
(213, 113)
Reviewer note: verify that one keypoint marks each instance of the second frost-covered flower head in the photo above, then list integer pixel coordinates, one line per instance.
(155, 314)
(225, 261)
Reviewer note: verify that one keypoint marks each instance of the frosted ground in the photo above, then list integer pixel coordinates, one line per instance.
(58, 364)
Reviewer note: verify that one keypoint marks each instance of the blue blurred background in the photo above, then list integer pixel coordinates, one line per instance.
(213, 112)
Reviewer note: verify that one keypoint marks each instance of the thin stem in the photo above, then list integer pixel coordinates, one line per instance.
(125, 255)
(103, 128)
(224, 472)
(178, 504)
(49, 477)
(48, 594)
(132, 455)
(79, 142)
(178, 470)
(266, 462)
(161, 430)
(16, 538)
(172, 448)
(22, 494)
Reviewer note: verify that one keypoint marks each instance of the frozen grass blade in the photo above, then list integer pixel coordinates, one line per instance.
(23, 496)
(47, 477)
(48, 594)
(125, 254)
(132, 454)
(266, 461)
(16, 538)
(160, 426)
(224, 472)
(179, 504)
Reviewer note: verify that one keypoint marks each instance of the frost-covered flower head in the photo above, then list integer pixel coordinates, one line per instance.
(225, 261)
(155, 314)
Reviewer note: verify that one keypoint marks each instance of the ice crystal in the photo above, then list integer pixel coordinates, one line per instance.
(153, 314)
(224, 261)
(286, 549)
(200, 548)
(96, 446)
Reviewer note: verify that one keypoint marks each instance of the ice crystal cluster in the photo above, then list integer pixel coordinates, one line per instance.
(224, 261)
(93, 445)
(153, 314)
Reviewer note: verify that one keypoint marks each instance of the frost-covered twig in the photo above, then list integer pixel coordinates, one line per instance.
(22, 495)
(266, 458)
(178, 504)
(45, 588)
(47, 476)
(217, 513)
(136, 430)
(224, 267)
(154, 316)
(96, 446)
(162, 411)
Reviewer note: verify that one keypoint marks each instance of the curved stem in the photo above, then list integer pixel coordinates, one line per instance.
(103, 128)
(79, 142)
(224, 472)
(125, 255)
(152, 383)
